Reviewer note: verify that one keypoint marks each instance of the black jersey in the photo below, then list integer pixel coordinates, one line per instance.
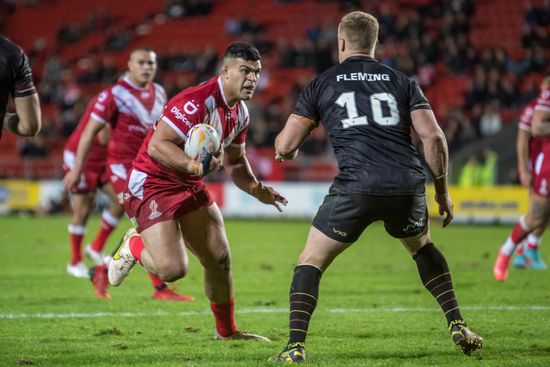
(365, 107)
(15, 75)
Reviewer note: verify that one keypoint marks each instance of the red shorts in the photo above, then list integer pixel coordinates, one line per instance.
(94, 174)
(150, 200)
(541, 175)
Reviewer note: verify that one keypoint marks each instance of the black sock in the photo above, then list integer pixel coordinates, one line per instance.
(303, 299)
(436, 277)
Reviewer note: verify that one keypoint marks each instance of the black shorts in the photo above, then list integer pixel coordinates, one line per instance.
(343, 217)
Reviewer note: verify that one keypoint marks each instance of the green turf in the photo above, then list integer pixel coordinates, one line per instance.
(372, 311)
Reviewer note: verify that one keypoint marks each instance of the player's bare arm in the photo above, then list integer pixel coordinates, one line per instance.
(522, 150)
(164, 147)
(237, 166)
(436, 155)
(84, 146)
(293, 135)
(540, 123)
(27, 119)
(104, 135)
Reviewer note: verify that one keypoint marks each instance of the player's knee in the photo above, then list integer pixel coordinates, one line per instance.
(170, 271)
(220, 262)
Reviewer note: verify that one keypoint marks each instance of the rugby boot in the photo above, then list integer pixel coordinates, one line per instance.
(241, 335)
(521, 262)
(168, 294)
(100, 281)
(123, 261)
(534, 260)
(293, 353)
(500, 270)
(464, 338)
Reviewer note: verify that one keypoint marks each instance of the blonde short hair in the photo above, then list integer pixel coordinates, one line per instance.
(360, 30)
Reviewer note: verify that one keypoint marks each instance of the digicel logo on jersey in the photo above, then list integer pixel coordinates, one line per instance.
(180, 116)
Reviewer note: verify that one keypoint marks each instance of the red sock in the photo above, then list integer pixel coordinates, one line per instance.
(108, 224)
(225, 319)
(76, 234)
(519, 232)
(532, 245)
(101, 237)
(157, 283)
(136, 246)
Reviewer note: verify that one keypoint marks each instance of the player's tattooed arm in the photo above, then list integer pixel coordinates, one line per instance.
(435, 145)
(293, 135)
(436, 155)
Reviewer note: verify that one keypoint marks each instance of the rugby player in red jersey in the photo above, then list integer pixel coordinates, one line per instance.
(94, 175)
(129, 107)
(168, 201)
(535, 121)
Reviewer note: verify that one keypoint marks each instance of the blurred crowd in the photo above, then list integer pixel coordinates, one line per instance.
(424, 41)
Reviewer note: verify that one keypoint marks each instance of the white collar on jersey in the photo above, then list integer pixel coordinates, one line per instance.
(127, 80)
(223, 95)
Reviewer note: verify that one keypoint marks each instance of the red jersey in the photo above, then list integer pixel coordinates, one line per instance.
(131, 112)
(98, 152)
(206, 104)
(535, 144)
(543, 103)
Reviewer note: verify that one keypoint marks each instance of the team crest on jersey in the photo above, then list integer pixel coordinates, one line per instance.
(145, 95)
(154, 212)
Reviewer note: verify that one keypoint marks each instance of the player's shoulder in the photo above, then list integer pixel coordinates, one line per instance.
(196, 95)
(394, 74)
(9, 48)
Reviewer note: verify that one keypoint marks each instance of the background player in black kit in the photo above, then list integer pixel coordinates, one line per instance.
(16, 80)
(368, 110)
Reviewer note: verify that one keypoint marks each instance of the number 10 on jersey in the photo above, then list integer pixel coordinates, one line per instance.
(347, 101)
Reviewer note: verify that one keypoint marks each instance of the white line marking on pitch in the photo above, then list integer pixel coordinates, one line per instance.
(259, 310)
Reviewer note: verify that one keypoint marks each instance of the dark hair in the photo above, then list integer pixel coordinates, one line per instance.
(242, 50)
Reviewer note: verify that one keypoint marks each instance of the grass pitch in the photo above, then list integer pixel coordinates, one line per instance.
(372, 311)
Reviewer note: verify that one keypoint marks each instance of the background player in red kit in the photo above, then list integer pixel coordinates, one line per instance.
(130, 107)
(94, 176)
(534, 175)
(167, 198)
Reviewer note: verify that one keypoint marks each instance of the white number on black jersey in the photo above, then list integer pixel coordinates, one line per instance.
(347, 100)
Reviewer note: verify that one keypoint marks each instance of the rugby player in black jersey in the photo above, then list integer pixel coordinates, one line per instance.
(369, 111)
(16, 80)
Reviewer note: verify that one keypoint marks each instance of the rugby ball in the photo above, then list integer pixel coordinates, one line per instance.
(201, 140)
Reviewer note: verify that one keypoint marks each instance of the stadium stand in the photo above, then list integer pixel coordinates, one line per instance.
(469, 56)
